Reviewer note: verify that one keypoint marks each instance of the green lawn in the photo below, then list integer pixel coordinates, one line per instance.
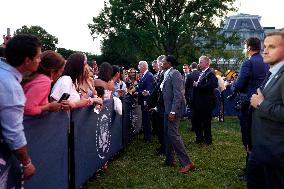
(218, 165)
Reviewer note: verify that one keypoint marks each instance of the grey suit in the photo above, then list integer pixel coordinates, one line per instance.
(266, 163)
(173, 94)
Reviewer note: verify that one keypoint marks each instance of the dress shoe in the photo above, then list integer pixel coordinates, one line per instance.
(189, 167)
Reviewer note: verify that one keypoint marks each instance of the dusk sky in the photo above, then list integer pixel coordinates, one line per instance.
(67, 20)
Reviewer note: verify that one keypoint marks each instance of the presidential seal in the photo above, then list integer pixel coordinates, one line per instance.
(103, 134)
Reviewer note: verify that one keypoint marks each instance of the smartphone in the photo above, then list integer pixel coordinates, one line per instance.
(64, 96)
(120, 87)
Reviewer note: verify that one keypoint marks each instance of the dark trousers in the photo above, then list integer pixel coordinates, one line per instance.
(268, 175)
(146, 124)
(202, 125)
(155, 122)
(245, 118)
(158, 127)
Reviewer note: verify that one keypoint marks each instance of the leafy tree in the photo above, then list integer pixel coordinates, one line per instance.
(65, 52)
(147, 28)
(48, 41)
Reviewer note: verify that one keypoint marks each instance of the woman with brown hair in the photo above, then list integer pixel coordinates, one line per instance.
(69, 83)
(132, 80)
(37, 85)
(105, 79)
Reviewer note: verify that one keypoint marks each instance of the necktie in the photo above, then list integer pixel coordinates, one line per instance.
(200, 76)
(267, 77)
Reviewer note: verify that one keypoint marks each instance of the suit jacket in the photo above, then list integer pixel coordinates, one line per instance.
(184, 76)
(146, 83)
(156, 98)
(193, 76)
(173, 93)
(251, 75)
(268, 122)
(204, 97)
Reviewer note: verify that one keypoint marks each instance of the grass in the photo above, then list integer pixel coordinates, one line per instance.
(218, 165)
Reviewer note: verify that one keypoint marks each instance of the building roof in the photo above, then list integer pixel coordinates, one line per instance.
(243, 22)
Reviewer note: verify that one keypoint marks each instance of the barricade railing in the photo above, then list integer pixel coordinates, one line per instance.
(93, 140)
(68, 148)
(96, 140)
(47, 137)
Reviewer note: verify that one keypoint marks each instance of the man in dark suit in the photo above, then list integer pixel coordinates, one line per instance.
(155, 103)
(173, 94)
(251, 75)
(145, 86)
(204, 101)
(193, 76)
(266, 162)
(154, 114)
(186, 70)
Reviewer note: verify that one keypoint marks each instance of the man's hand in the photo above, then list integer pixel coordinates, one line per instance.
(195, 83)
(171, 117)
(29, 171)
(145, 93)
(256, 99)
(25, 160)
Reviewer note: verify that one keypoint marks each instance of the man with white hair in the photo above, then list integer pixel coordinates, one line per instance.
(145, 86)
(204, 101)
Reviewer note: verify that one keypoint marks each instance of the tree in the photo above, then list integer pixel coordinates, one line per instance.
(149, 28)
(65, 52)
(49, 41)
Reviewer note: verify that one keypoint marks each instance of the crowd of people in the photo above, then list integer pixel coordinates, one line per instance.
(44, 81)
